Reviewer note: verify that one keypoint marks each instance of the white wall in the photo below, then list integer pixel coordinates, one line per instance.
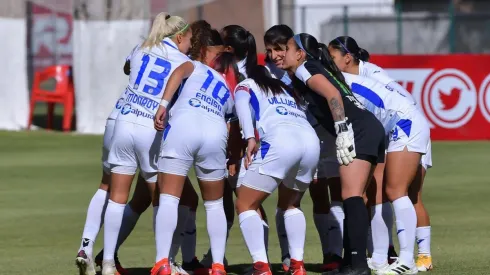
(316, 15)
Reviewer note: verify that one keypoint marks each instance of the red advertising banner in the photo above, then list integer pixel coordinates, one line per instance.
(452, 90)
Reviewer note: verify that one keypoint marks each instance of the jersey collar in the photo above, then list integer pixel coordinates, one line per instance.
(167, 41)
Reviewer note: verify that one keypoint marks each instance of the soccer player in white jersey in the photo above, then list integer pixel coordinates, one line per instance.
(196, 134)
(353, 59)
(408, 138)
(281, 122)
(328, 216)
(135, 142)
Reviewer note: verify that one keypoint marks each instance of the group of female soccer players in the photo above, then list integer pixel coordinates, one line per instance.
(317, 117)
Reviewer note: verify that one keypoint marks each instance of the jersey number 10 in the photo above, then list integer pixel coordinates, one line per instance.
(159, 77)
(220, 91)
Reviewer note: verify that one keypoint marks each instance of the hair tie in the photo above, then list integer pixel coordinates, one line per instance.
(167, 16)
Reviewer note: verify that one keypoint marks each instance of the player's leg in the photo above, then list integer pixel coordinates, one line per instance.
(96, 208)
(423, 231)
(321, 207)
(335, 222)
(211, 183)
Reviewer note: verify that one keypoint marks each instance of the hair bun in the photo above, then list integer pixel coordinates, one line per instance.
(167, 16)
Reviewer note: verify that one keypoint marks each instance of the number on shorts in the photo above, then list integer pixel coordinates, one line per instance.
(159, 77)
(220, 91)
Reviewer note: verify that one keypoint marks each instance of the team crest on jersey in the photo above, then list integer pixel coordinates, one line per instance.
(126, 109)
(194, 102)
(120, 103)
(282, 110)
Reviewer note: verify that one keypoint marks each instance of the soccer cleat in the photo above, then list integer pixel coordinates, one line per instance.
(392, 256)
(398, 268)
(286, 262)
(207, 260)
(424, 263)
(297, 268)
(109, 268)
(162, 268)
(177, 269)
(261, 268)
(84, 263)
(120, 269)
(375, 266)
(195, 267)
(217, 269)
(331, 262)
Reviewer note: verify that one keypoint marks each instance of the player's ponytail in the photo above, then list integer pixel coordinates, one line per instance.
(226, 65)
(242, 44)
(347, 45)
(319, 51)
(163, 26)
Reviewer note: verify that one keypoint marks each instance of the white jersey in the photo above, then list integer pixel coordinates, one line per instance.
(204, 93)
(388, 105)
(150, 69)
(375, 72)
(122, 98)
(269, 110)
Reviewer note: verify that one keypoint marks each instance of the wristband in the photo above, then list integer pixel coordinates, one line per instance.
(164, 103)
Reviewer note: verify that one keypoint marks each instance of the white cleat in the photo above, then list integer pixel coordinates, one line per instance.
(375, 267)
(109, 268)
(85, 264)
(398, 268)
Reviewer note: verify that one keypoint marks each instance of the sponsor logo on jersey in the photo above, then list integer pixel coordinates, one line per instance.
(282, 110)
(194, 102)
(144, 102)
(126, 109)
(209, 100)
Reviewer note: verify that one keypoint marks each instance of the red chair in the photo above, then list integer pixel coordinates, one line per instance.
(63, 93)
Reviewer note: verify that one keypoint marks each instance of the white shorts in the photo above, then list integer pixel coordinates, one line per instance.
(134, 145)
(289, 154)
(203, 142)
(181, 167)
(327, 168)
(412, 132)
(426, 160)
(106, 145)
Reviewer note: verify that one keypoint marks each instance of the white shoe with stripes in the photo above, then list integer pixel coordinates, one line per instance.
(398, 268)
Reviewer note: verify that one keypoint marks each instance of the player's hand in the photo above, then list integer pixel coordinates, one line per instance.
(251, 150)
(160, 118)
(232, 167)
(344, 142)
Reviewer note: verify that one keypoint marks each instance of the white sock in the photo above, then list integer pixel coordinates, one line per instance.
(266, 235)
(370, 246)
(336, 228)
(380, 236)
(423, 240)
(217, 228)
(387, 213)
(295, 223)
(406, 222)
(321, 223)
(166, 222)
(129, 220)
(178, 238)
(155, 212)
(94, 220)
(112, 226)
(189, 243)
(253, 234)
(281, 233)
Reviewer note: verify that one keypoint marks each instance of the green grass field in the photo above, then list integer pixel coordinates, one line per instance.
(47, 180)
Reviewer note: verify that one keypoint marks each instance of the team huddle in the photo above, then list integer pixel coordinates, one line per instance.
(316, 116)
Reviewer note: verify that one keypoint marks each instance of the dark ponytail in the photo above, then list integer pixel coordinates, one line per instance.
(225, 64)
(243, 44)
(347, 45)
(266, 82)
(319, 51)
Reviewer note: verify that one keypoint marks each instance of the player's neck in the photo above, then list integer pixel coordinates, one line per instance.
(354, 69)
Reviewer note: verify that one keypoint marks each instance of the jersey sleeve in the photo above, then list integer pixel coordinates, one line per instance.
(307, 70)
(242, 105)
(132, 52)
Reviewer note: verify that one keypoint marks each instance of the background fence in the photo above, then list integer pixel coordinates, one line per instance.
(399, 27)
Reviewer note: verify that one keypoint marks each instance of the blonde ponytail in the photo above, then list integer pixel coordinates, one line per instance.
(163, 26)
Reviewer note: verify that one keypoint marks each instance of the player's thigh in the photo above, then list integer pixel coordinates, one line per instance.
(147, 146)
(354, 178)
(400, 171)
(122, 153)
